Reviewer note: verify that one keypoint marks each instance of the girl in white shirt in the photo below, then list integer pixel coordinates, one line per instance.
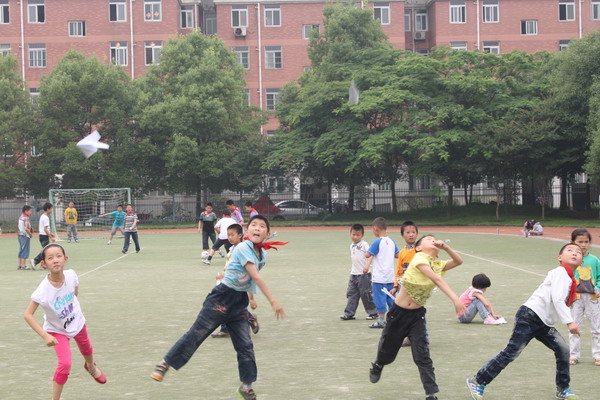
(63, 319)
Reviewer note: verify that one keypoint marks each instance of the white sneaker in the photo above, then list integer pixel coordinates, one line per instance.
(109, 242)
(221, 253)
(206, 261)
(492, 321)
(32, 263)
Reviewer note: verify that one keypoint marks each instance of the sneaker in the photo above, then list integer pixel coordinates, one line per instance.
(22, 267)
(475, 388)
(109, 242)
(221, 254)
(371, 317)
(492, 321)
(159, 371)
(76, 240)
(246, 394)
(206, 261)
(431, 397)
(375, 372)
(32, 264)
(253, 320)
(124, 251)
(347, 317)
(566, 394)
(377, 324)
(220, 334)
(68, 240)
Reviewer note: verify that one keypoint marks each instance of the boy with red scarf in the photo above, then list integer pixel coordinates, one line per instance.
(535, 319)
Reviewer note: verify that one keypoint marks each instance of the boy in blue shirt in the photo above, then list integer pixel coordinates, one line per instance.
(118, 223)
(226, 304)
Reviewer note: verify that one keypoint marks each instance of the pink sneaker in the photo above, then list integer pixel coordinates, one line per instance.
(492, 321)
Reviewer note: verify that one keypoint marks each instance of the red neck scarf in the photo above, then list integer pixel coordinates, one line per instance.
(267, 245)
(572, 293)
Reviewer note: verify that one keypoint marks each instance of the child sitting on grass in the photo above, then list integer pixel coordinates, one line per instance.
(476, 303)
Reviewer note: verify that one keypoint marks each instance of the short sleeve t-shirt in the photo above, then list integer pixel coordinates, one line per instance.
(119, 218)
(404, 258)
(236, 276)
(71, 216)
(44, 222)
(383, 250)
(208, 221)
(223, 224)
(357, 254)
(469, 295)
(418, 286)
(237, 216)
(24, 225)
(62, 310)
(587, 275)
(129, 220)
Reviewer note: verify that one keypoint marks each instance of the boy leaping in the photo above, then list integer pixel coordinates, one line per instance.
(227, 304)
(535, 319)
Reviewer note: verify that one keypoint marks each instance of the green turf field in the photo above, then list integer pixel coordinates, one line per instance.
(138, 305)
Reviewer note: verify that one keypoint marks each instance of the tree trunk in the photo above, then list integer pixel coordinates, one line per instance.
(466, 195)
(199, 207)
(450, 199)
(393, 187)
(470, 194)
(329, 201)
(498, 194)
(563, 192)
(351, 190)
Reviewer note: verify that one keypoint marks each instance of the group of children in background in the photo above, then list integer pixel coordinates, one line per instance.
(569, 292)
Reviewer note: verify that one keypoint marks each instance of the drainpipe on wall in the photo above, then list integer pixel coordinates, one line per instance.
(260, 77)
(131, 38)
(478, 44)
(580, 21)
(22, 42)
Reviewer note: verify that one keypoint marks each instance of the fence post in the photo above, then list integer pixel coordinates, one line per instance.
(373, 205)
(173, 208)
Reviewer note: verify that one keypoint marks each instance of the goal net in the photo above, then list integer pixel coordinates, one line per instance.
(90, 204)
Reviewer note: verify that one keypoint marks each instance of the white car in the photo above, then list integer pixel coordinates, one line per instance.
(296, 209)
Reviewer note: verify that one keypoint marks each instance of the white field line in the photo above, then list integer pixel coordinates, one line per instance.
(104, 265)
(499, 263)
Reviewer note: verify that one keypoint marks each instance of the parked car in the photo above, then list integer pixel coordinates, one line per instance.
(297, 209)
(95, 221)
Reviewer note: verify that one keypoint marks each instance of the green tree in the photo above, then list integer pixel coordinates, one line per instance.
(15, 127)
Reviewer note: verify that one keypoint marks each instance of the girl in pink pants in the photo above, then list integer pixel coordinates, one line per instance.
(63, 319)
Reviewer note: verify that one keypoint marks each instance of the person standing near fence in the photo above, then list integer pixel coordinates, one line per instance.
(24, 236)
(131, 232)
(45, 235)
(71, 220)
(206, 226)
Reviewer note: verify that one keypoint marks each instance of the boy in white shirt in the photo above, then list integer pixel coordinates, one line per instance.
(535, 319)
(45, 235)
(381, 255)
(221, 229)
(359, 284)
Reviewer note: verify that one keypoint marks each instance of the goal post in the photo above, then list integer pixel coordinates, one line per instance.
(89, 203)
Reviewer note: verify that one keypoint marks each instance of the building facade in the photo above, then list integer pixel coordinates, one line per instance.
(270, 37)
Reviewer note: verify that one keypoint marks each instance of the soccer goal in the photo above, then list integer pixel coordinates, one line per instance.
(89, 203)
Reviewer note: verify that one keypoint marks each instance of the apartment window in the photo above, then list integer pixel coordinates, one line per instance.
(239, 16)
(307, 31)
(36, 12)
(491, 47)
(246, 98)
(186, 20)
(595, 9)
(529, 27)
(4, 49)
(566, 10)
(272, 98)
(421, 20)
(77, 28)
(271, 132)
(458, 45)
(422, 52)
(381, 11)
(37, 55)
(273, 57)
(4, 12)
(243, 56)
(458, 12)
(118, 53)
(152, 10)
(563, 45)
(307, 69)
(152, 51)
(34, 96)
(491, 11)
(407, 21)
(272, 15)
(210, 25)
(116, 11)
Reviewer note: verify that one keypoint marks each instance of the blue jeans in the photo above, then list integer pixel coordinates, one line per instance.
(24, 243)
(475, 307)
(528, 326)
(226, 306)
(382, 301)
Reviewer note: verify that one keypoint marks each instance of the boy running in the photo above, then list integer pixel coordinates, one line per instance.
(118, 223)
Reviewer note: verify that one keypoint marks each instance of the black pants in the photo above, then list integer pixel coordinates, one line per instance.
(205, 237)
(402, 323)
(44, 241)
(131, 235)
(222, 242)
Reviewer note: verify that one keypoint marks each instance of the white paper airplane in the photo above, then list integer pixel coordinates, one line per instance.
(353, 94)
(90, 144)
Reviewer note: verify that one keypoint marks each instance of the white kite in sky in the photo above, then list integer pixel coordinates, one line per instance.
(90, 144)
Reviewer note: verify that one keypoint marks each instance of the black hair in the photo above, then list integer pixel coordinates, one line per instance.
(358, 227)
(120, 205)
(481, 281)
(26, 208)
(209, 204)
(418, 242)
(229, 202)
(380, 223)
(226, 212)
(406, 224)
(52, 245)
(236, 227)
(566, 245)
(47, 206)
(248, 203)
(262, 218)
(580, 232)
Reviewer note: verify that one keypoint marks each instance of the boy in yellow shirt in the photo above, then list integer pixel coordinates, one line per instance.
(71, 220)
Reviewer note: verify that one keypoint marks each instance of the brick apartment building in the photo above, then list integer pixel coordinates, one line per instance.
(270, 37)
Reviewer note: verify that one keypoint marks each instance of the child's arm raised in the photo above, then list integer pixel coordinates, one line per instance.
(260, 282)
(456, 259)
(444, 287)
(30, 319)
